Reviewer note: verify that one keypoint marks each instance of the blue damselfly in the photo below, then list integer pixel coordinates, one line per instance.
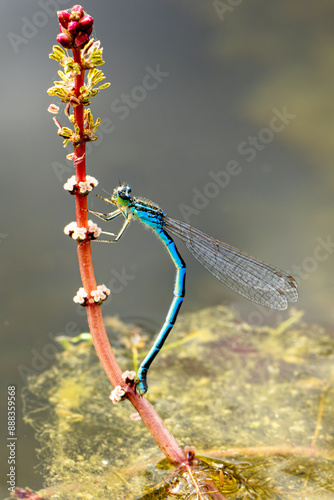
(252, 278)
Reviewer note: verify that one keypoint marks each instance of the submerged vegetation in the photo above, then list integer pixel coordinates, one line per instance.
(257, 400)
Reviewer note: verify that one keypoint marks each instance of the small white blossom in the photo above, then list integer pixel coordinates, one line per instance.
(70, 183)
(92, 181)
(97, 296)
(117, 394)
(79, 233)
(93, 229)
(88, 185)
(81, 296)
(104, 289)
(100, 294)
(128, 375)
(82, 233)
(70, 228)
(85, 187)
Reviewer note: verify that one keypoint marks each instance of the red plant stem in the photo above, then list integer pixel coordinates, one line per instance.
(161, 435)
(159, 432)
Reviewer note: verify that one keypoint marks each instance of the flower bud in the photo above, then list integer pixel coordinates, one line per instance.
(86, 22)
(81, 40)
(65, 40)
(89, 30)
(77, 9)
(73, 27)
(63, 17)
(62, 29)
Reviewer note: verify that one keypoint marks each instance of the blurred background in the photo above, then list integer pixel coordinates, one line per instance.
(231, 131)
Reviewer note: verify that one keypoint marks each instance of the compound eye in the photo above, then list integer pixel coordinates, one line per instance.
(123, 193)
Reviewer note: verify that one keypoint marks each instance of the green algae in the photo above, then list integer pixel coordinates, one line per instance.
(256, 402)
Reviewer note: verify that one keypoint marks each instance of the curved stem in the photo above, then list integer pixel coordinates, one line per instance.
(161, 435)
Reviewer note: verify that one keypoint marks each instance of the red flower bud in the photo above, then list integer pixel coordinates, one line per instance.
(81, 40)
(73, 27)
(86, 22)
(62, 29)
(65, 40)
(63, 17)
(77, 9)
(88, 31)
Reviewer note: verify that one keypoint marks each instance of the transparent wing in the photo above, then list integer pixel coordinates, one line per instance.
(252, 278)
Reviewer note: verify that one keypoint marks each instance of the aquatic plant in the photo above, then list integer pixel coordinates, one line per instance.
(76, 92)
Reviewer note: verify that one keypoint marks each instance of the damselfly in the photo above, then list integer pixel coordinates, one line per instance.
(252, 278)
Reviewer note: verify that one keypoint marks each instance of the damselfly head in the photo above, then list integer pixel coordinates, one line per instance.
(122, 194)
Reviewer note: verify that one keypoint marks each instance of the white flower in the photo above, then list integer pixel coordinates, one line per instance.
(79, 233)
(70, 183)
(117, 394)
(92, 181)
(104, 289)
(70, 228)
(81, 296)
(128, 375)
(100, 294)
(85, 187)
(94, 229)
(97, 296)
